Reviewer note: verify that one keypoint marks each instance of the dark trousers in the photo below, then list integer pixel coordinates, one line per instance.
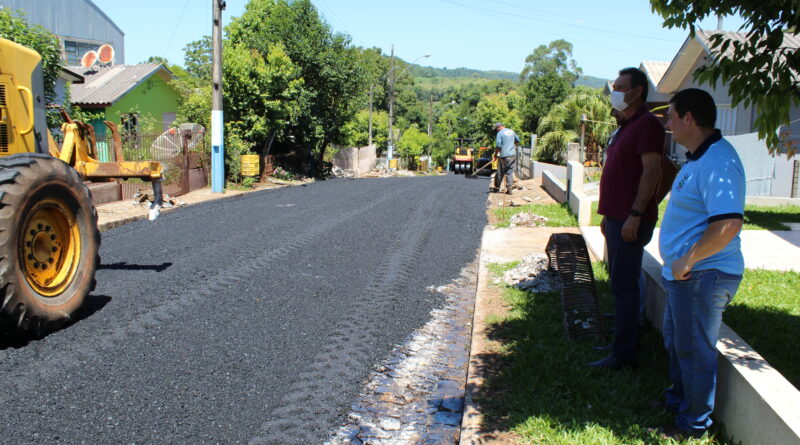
(505, 167)
(624, 269)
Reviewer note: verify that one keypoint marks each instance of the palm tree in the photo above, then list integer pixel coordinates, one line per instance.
(562, 124)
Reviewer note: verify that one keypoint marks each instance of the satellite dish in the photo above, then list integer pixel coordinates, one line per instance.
(105, 54)
(88, 59)
(170, 143)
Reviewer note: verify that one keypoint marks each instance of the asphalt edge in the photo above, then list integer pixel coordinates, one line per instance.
(121, 222)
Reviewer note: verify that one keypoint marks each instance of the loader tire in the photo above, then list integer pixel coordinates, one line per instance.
(49, 243)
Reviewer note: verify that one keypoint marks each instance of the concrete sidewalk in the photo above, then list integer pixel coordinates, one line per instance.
(763, 249)
(497, 246)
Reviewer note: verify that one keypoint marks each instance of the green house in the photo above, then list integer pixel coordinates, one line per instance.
(138, 98)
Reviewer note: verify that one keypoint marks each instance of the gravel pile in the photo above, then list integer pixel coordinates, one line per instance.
(531, 275)
(527, 219)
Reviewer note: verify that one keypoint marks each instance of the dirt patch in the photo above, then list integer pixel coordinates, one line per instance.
(529, 191)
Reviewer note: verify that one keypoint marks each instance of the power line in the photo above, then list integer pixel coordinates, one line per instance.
(169, 42)
(616, 31)
(510, 18)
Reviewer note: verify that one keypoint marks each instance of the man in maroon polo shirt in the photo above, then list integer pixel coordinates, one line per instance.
(627, 189)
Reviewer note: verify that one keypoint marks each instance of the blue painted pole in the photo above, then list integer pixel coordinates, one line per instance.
(217, 122)
(217, 152)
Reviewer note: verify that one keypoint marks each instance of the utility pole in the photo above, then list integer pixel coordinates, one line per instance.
(217, 126)
(430, 142)
(370, 114)
(390, 142)
(583, 137)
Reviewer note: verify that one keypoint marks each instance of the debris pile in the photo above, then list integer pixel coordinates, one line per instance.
(143, 198)
(527, 219)
(338, 172)
(531, 275)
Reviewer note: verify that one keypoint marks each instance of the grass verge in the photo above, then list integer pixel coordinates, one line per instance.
(558, 215)
(766, 312)
(543, 391)
(755, 217)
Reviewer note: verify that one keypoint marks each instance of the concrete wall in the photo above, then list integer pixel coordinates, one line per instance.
(754, 402)
(579, 203)
(554, 187)
(359, 159)
(557, 171)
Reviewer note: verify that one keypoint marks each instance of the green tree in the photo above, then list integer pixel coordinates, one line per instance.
(562, 124)
(548, 77)
(413, 142)
(357, 129)
(158, 59)
(333, 78)
(495, 108)
(760, 70)
(555, 58)
(39, 39)
(197, 58)
(263, 95)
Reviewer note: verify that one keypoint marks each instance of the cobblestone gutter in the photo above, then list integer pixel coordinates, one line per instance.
(417, 395)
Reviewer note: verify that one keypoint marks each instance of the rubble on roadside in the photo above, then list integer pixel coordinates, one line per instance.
(527, 219)
(338, 172)
(531, 275)
(143, 198)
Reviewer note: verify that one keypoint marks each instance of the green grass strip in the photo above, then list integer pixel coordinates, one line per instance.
(766, 312)
(755, 217)
(544, 392)
(558, 215)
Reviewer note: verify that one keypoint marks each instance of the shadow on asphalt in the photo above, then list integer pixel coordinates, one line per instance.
(122, 265)
(11, 339)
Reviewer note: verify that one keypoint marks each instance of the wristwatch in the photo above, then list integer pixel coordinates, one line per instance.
(636, 213)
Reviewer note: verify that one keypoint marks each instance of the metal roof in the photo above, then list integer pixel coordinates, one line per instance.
(104, 85)
(697, 46)
(655, 69)
(790, 40)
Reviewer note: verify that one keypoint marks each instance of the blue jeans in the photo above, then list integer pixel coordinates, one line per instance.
(625, 270)
(692, 318)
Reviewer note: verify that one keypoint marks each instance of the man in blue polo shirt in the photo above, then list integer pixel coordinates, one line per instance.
(702, 255)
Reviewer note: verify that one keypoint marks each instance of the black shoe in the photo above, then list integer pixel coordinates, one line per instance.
(612, 363)
(508, 192)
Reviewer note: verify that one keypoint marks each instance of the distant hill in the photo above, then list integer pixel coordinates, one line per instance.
(428, 77)
(591, 81)
(431, 72)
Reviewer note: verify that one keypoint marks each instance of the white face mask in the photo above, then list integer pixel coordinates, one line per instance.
(618, 100)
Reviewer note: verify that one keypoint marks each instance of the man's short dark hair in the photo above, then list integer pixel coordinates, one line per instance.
(638, 79)
(699, 102)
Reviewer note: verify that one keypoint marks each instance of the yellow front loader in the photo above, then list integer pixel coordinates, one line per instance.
(48, 225)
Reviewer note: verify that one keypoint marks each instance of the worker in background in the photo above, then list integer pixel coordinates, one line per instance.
(505, 150)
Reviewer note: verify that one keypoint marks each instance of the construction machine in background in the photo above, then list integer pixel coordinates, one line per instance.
(463, 161)
(50, 241)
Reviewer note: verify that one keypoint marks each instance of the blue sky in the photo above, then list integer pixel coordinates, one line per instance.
(480, 34)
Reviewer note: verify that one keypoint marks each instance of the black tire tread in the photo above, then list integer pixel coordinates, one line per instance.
(18, 173)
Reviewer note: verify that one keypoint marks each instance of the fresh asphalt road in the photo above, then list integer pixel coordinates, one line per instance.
(253, 319)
